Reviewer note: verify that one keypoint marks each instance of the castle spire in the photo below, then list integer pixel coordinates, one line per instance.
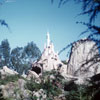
(48, 39)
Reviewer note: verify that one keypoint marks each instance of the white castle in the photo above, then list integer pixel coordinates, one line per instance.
(49, 59)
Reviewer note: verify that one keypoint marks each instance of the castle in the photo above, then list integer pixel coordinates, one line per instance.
(49, 59)
(82, 51)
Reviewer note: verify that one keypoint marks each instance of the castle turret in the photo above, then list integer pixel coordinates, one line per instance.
(48, 39)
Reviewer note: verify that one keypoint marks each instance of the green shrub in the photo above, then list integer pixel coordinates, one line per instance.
(51, 89)
(78, 94)
(32, 85)
(34, 98)
(11, 78)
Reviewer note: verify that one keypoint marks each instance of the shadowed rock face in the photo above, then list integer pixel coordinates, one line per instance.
(36, 69)
(70, 86)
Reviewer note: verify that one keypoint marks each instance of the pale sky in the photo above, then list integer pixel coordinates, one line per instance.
(30, 20)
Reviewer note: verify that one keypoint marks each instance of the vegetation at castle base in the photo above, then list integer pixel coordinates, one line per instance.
(79, 94)
(54, 85)
(85, 92)
(10, 78)
(70, 91)
(32, 85)
(50, 86)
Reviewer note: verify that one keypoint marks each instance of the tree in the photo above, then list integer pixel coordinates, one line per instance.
(2, 21)
(90, 7)
(21, 58)
(17, 61)
(32, 52)
(4, 53)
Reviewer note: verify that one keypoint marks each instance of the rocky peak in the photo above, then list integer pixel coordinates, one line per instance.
(49, 59)
(81, 52)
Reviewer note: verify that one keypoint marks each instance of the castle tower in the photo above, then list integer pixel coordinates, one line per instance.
(48, 39)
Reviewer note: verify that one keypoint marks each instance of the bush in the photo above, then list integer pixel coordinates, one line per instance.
(51, 89)
(11, 78)
(32, 85)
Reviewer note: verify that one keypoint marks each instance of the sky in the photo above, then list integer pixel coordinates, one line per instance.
(30, 20)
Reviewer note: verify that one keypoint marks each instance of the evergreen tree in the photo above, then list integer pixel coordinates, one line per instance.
(5, 53)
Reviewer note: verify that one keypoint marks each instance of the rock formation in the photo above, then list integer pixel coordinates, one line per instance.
(6, 71)
(49, 77)
(81, 63)
(49, 60)
(40, 94)
(15, 90)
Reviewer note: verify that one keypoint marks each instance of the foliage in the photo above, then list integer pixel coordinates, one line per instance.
(79, 94)
(32, 85)
(5, 53)
(85, 92)
(22, 58)
(64, 62)
(3, 23)
(94, 86)
(19, 58)
(51, 87)
(18, 61)
(32, 51)
(93, 30)
(33, 98)
(56, 86)
(10, 78)
(90, 7)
